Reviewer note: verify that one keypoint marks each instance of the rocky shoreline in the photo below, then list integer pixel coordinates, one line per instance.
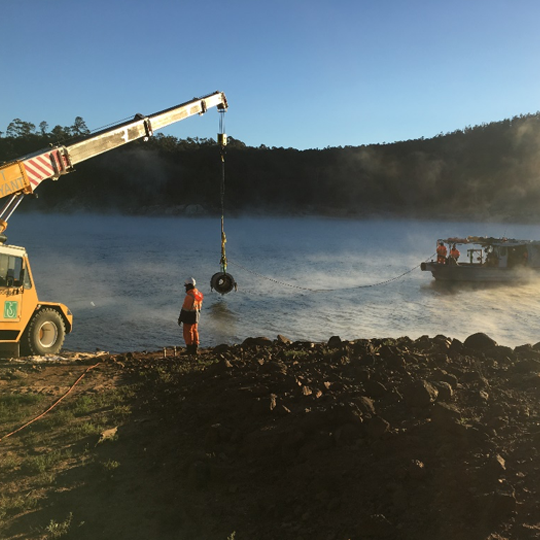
(344, 440)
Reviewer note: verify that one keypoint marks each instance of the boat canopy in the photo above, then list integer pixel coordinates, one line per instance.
(489, 241)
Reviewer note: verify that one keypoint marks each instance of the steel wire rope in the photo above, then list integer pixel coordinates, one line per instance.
(308, 289)
(223, 260)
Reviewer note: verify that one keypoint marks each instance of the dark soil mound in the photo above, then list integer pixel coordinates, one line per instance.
(368, 439)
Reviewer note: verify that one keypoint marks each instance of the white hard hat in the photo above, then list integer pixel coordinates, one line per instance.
(190, 281)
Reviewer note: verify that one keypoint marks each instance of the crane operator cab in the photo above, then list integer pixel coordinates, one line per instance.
(27, 326)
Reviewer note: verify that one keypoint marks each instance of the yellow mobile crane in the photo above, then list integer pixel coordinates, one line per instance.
(27, 325)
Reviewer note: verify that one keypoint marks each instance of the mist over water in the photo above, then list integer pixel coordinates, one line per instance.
(122, 277)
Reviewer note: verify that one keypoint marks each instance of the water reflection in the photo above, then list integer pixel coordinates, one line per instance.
(220, 321)
(221, 313)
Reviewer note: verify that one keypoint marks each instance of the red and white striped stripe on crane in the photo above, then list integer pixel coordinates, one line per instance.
(47, 165)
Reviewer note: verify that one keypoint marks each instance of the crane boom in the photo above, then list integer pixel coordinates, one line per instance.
(21, 177)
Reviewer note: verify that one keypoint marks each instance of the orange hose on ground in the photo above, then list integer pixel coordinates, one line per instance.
(52, 406)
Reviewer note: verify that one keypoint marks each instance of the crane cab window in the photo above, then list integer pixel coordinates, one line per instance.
(12, 272)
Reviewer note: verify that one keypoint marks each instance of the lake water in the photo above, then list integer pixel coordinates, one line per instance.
(305, 278)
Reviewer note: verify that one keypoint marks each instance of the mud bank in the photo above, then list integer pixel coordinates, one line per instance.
(365, 439)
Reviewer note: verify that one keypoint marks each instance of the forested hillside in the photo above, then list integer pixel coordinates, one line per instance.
(487, 171)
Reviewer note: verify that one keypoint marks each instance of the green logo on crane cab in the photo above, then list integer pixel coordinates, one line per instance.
(10, 309)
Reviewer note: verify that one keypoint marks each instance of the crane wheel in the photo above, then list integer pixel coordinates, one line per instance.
(223, 283)
(45, 333)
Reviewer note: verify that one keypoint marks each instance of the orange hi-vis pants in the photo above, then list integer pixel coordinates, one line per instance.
(191, 334)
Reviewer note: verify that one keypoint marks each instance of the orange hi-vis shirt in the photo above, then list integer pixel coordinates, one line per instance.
(441, 251)
(191, 308)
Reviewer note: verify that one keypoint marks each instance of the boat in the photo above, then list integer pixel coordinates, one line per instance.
(487, 259)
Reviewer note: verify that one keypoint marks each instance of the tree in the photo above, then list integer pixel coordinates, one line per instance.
(79, 127)
(20, 128)
(60, 133)
(43, 127)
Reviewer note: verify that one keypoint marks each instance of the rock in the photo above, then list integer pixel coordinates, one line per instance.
(498, 504)
(474, 377)
(444, 389)
(416, 469)
(527, 351)
(526, 366)
(220, 349)
(501, 352)
(497, 464)
(108, 435)
(420, 393)
(441, 375)
(257, 341)
(220, 367)
(365, 405)
(334, 342)
(303, 345)
(531, 380)
(445, 415)
(442, 342)
(283, 339)
(264, 405)
(456, 346)
(479, 342)
(375, 389)
(376, 427)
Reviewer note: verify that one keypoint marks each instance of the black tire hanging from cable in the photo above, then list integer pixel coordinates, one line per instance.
(222, 282)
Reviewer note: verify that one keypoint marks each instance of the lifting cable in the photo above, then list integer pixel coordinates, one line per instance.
(380, 283)
(53, 405)
(222, 282)
(222, 139)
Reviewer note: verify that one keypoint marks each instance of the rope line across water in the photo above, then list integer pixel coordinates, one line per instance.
(308, 289)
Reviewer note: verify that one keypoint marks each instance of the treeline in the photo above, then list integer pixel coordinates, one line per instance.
(486, 171)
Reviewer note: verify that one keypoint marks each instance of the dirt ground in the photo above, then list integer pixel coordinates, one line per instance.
(367, 439)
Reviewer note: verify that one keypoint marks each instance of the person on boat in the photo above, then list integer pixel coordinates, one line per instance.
(441, 253)
(454, 253)
(491, 257)
(190, 315)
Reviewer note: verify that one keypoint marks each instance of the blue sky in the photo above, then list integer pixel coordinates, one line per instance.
(301, 74)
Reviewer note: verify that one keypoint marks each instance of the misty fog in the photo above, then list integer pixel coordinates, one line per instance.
(307, 279)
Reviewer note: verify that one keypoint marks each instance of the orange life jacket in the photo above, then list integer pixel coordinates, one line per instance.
(191, 308)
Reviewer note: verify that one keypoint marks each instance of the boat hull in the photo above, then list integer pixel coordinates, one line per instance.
(477, 273)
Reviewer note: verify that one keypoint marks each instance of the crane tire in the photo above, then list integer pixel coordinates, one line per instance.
(45, 333)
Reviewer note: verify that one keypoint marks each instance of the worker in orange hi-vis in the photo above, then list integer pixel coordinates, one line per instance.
(441, 253)
(190, 315)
